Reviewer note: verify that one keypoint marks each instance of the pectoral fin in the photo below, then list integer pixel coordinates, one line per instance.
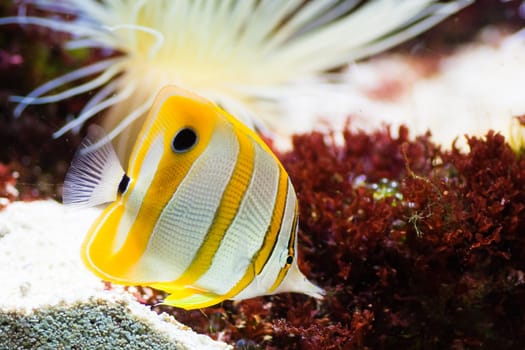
(95, 174)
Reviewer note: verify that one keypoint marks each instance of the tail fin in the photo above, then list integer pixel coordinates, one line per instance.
(95, 173)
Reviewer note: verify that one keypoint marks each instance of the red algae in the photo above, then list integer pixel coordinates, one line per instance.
(435, 262)
(8, 191)
(417, 247)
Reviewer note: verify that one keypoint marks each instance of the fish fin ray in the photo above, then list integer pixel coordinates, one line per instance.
(95, 173)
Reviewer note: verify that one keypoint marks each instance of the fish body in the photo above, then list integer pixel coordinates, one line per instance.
(205, 211)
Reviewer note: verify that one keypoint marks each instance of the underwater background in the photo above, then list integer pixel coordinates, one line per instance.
(419, 244)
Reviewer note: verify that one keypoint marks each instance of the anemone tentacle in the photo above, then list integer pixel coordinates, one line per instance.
(100, 80)
(93, 107)
(102, 94)
(245, 54)
(83, 72)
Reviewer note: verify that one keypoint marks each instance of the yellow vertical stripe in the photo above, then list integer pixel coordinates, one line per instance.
(291, 251)
(94, 248)
(226, 212)
(247, 229)
(103, 245)
(172, 168)
(271, 236)
(187, 217)
(193, 299)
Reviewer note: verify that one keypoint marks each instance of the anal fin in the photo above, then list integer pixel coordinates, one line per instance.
(188, 297)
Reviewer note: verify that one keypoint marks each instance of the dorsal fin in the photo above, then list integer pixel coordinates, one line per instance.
(95, 174)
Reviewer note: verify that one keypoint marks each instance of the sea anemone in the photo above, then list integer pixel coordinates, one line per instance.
(246, 55)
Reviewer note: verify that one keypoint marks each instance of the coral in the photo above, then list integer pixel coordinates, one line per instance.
(95, 324)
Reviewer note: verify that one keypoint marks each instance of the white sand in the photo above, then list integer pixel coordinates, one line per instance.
(46, 291)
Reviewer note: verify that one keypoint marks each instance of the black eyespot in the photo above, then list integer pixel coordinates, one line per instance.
(124, 183)
(289, 260)
(185, 139)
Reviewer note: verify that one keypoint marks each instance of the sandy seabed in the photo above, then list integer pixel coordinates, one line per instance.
(50, 301)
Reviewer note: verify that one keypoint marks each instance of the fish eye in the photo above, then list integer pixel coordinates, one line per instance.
(289, 259)
(184, 140)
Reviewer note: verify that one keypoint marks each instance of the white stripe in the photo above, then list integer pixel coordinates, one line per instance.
(186, 219)
(146, 130)
(148, 170)
(262, 283)
(246, 234)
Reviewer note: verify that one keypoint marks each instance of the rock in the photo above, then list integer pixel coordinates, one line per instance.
(48, 300)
